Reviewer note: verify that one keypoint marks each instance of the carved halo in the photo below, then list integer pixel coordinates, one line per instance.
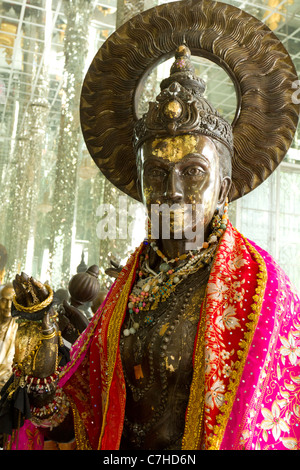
(257, 62)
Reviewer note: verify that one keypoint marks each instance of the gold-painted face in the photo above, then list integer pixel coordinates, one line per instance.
(174, 148)
(6, 297)
(182, 170)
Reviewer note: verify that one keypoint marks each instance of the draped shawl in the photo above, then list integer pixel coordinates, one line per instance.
(246, 362)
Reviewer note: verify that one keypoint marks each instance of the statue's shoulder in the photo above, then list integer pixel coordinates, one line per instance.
(276, 274)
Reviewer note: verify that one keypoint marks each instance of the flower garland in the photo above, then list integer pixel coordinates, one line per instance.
(52, 414)
(37, 384)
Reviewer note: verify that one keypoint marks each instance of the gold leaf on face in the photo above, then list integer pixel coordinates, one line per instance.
(147, 193)
(174, 148)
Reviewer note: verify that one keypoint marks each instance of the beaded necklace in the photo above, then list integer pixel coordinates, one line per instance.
(153, 287)
(147, 358)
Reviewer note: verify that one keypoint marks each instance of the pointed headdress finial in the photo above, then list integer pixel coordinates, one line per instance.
(181, 108)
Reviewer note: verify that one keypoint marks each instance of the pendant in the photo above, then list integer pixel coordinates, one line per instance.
(164, 267)
(138, 372)
(148, 319)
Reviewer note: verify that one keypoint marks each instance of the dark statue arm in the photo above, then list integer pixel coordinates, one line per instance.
(72, 322)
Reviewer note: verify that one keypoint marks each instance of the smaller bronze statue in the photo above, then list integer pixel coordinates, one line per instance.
(98, 300)
(8, 329)
(40, 322)
(83, 289)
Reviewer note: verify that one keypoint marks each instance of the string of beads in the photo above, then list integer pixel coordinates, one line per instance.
(154, 287)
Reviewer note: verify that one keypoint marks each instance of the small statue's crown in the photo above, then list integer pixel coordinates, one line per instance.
(180, 108)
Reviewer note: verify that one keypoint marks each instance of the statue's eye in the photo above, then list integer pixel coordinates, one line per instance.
(156, 172)
(193, 171)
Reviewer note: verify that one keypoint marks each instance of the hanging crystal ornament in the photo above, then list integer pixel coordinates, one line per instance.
(121, 248)
(78, 16)
(126, 9)
(37, 122)
(26, 161)
(12, 227)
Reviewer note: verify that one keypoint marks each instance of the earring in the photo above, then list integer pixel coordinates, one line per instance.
(218, 220)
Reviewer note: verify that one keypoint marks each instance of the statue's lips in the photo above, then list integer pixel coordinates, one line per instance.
(172, 213)
(178, 220)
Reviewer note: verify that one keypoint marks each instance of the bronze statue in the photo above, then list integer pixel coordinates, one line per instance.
(180, 354)
(99, 299)
(8, 328)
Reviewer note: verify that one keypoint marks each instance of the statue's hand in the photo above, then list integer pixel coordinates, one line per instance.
(114, 270)
(47, 355)
(28, 290)
(76, 317)
(47, 322)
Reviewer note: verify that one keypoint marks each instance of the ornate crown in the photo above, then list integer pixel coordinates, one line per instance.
(180, 108)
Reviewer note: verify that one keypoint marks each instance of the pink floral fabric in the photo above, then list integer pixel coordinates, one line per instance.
(29, 437)
(266, 411)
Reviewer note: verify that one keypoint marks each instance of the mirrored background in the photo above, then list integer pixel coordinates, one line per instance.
(51, 190)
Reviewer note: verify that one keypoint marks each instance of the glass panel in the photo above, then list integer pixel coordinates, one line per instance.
(289, 224)
(270, 216)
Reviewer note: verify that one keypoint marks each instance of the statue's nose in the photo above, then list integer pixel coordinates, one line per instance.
(173, 190)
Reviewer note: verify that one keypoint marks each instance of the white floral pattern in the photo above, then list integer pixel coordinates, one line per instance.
(215, 396)
(266, 411)
(289, 348)
(273, 421)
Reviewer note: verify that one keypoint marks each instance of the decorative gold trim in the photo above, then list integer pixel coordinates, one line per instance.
(223, 417)
(82, 442)
(194, 414)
